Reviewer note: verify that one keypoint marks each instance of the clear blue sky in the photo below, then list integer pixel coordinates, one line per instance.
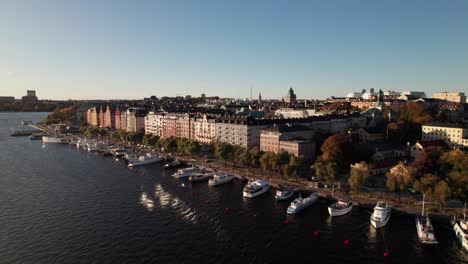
(132, 49)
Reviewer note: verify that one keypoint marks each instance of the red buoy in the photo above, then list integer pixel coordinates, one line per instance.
(315, 233)
(385, 254)
(286, 221)
(346, 243)
(254, 215)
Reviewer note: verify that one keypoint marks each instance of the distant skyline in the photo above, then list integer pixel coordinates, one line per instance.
(134, 49)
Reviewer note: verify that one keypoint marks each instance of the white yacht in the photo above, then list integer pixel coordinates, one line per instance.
(284, 193)
(460, 226)
(300, 203)
(57, 140)
(145, 159)
(424, 228)
(255, 188)
(186, 172)
(220, 178)
(381, 214)
(340, 208)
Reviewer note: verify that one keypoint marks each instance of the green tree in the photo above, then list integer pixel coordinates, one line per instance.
(223, 151)
(441, 193)
(193, 148)
(397, 182)
(255, 154)
(359, 176)
(282, 160)
(326, 170)
(268, 161)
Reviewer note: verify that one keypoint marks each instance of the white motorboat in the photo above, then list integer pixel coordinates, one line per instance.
(186, 172)
(145, 159)
(381, 214)
(131, 157)
(284, 193)
(199, 177)
(220, 178)
(424, 228)
(56, 140)
(460, 226)
(340, 208)
(255, 188)
(300, 203)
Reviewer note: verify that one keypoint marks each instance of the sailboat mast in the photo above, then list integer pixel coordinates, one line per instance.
(422, 211)
(464, 213)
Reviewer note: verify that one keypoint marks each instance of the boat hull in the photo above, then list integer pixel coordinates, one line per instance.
(283, 197)
(216, 183)
(380, 224)
(143, 162)
(296, 210)
(461, 236)
(339, 212)
(54, 140)
(255, 194)
(422, 237)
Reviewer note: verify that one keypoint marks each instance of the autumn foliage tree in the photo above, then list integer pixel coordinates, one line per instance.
(408, 127)
(336, 154)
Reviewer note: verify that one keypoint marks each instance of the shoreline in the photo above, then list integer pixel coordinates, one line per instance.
(358, 200)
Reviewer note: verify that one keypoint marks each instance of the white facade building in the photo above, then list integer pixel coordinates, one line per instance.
(454, 135)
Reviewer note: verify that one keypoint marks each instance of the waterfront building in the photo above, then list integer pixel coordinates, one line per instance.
(457, 97)
(135, 120)
(153, 123)
(101, 117)
(117, 118)
(292, 138)
(123, 120)
(203, 129)
(455, 135)
(92, 116)
(242, 131)
(108, 118)
(184, 126)
(169, 126)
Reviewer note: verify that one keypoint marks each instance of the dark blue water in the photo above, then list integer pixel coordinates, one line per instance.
(63, 205)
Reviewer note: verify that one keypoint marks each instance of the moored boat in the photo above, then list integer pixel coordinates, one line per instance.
(284, 193)
(340, 208)
(36, 136)
(424, 228)
(255, 188)
(186, 172)
(199, 177)
(460, 226)
(300, 203)
(220, 178)
(56, 140)
(381, 214)
(175, 164)
(145, 159)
